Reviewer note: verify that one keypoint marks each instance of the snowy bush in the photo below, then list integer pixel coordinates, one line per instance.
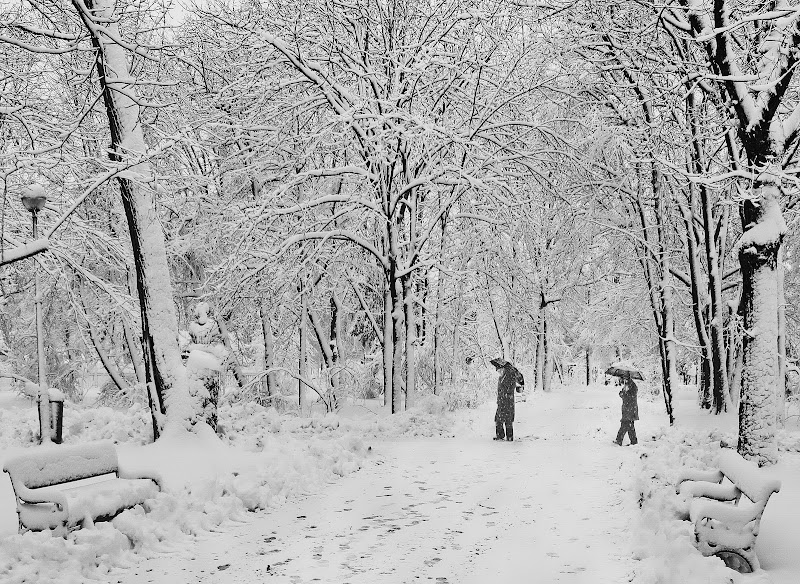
(431, 404)
(112, 396)
(479, 386)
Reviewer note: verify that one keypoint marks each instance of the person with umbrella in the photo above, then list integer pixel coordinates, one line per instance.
(630, 404)
(510, 380)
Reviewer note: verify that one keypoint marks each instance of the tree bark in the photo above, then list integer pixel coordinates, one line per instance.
(758, 257)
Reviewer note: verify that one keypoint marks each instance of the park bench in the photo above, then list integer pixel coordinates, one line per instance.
(724, 525)
(61, 487)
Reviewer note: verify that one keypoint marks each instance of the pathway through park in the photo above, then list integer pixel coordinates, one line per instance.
(548, 508)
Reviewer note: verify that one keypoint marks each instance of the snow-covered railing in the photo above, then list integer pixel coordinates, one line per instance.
(724, 524)
(41, 475)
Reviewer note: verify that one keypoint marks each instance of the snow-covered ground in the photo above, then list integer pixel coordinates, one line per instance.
(435, 500)
(548, 507)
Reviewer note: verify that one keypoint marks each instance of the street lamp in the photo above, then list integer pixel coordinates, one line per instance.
(34, 199)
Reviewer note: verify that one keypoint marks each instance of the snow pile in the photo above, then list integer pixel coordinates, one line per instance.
(662, 536)
(89, 424)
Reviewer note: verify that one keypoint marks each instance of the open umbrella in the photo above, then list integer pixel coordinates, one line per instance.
(622, 369)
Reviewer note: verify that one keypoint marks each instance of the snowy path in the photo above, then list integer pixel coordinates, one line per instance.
(547, 508)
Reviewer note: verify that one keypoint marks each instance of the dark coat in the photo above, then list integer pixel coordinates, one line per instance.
(630, 404)
(510, 380)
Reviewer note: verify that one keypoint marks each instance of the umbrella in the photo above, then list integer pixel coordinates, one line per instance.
(621, 369)
(499, 362)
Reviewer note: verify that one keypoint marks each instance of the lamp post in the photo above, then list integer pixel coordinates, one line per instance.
(34, 199)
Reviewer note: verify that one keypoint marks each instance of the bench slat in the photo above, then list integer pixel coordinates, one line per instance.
(720, 492)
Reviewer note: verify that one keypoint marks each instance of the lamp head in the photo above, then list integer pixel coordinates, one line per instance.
(34, 197)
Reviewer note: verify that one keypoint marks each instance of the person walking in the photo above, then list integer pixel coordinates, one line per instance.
(510, 380)
(630, 410)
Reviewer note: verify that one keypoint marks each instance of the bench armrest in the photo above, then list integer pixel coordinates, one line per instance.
(719, 492)
(146, 474)
(41, 495)
(695, 474)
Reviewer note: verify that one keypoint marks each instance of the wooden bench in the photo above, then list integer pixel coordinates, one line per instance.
(724, 526)
(52, 492)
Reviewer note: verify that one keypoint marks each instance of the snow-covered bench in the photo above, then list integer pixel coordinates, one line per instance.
(52, 491)
(724, 526)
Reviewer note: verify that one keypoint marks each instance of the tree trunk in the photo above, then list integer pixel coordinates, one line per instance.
(270, 386)
(706, 381)
(719, 379)
(159, 321)
(112, 371)
(397, 344)
(540, 350)
(437, 365)
(457, 320)
(136, 360)
(699, 305)
(781, 385)
(302, 357)
(588, 367)
(388, 347)
(411, 340)
(547, 374)
(231, 359)
(500, 340)
(736, 374)
(758, 257)
(719, 388)
(665, 285)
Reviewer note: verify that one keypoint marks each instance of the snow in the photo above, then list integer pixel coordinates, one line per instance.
(757, 484)
(700, 509)
(720, 492)
(47, 465)
(199, 360)
(770, 228)
(435, 498)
